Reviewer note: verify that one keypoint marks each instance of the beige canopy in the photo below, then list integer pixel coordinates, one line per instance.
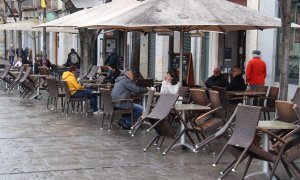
(27, 25)
(103, 12)
(187, 15)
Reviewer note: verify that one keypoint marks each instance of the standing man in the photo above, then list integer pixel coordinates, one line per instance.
(123, 88)
(256, 70)
(11, 54)
(217, 79)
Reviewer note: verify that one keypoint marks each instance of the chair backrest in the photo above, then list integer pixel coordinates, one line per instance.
(149, 103)
(144, 82)
(26, 74)
(273, 93)
(296, 98)
(66, 89)
(100, 78)
(161, 110)
(107, 100)
(5, 72)
(261, 88)
(223, 98)
(184, 93)
(52, 87)
(20, 74)
(92, 73)
(44, 70)
(245, 125)
(286, 111)
(199, 96)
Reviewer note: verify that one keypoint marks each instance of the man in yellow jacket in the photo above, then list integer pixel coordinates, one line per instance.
(77, 91)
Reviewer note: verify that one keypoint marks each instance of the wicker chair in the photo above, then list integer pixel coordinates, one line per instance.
(296, 98)
(92, 72)
(69, 99)
(146, 111)
(199, 96)
(268, 102)
(108, 106)
(54, 93)
(5, 75)
(159, 121)
(259, 88)
(206, 122)
(16, 80)
(224, 101)
(184, 93)
(243, 141)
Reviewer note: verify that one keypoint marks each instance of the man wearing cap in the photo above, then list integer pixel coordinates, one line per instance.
(256, 70)
(122, 89)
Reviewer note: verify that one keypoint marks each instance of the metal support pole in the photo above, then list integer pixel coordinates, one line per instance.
(181, 56)
(44, 38)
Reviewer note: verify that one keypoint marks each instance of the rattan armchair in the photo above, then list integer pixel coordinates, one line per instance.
(54, 93)
(268, 102)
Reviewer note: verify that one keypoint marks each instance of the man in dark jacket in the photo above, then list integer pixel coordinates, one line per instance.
(237, 83)
(112, 58)
(216, 79)
(122, 89)
(114, 72)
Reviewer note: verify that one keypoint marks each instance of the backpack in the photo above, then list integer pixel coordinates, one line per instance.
(74, 58)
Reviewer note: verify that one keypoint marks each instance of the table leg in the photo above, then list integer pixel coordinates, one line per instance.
(182, 142)
(144, 102)
(265, 166)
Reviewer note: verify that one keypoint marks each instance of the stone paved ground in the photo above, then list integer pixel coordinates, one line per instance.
(38, 144)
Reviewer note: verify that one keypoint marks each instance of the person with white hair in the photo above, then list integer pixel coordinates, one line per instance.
(11, 54)
(256, 71)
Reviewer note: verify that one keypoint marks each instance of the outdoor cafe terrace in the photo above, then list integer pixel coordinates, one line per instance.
(38, 143)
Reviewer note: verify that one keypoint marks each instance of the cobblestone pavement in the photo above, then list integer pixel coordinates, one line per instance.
(36, 143)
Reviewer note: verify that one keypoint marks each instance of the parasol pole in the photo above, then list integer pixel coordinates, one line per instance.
(125, 50)
(181, 56)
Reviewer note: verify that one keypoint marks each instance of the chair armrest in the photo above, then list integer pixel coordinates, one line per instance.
(287, 135)
(271, 134)
(208, 113)
(264, 97)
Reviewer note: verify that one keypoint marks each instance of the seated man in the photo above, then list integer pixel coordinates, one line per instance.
(77, 90)
(123, 88)
(216, 79)
(114, 72)
(237, 83)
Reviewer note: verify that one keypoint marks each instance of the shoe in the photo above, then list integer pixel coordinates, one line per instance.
(53, 108)
(98, 112)
(123, 124)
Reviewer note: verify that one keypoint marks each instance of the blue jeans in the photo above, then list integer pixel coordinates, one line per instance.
(137, 112)
(90, 95)
(11, 60)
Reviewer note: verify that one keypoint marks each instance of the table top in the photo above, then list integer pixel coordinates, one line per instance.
(186, 107)
(97, 85)
(245, 93)
(39, 75)
(276, 125)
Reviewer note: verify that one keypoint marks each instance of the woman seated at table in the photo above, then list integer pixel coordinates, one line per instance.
(19, 63)
(170, 84)
(237, 83)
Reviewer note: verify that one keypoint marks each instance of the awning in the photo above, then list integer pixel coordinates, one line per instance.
(27, 25)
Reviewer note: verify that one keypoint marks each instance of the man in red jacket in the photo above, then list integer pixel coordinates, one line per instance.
(256, 70)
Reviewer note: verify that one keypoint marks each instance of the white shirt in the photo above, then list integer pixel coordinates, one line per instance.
(167, 87)
(18, 64)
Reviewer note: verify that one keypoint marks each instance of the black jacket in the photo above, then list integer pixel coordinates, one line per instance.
(237, 84)
(112, 58)
(219, 81)
(112, 77)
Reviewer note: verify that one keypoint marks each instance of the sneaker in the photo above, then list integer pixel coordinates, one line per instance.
(123, 124)
(98, 112)
(53, 108)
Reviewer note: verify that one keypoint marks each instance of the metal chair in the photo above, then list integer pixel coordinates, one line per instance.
(268, 102)
(108, 106)
(243, 141)
(54, 93)
(199, 96)
(159, 121)
(92, 72)
(69, 99)
(16, 80)
(184, 93)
